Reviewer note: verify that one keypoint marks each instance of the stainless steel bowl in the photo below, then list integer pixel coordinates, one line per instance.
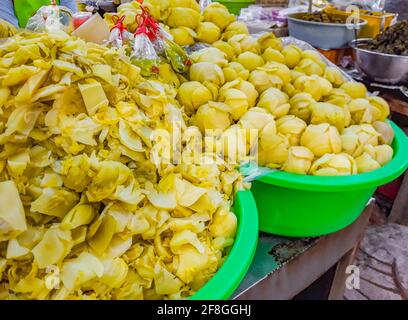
(380, 67)
(323, 35)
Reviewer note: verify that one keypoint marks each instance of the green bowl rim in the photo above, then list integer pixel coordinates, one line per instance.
(381, 176)
(227, 279)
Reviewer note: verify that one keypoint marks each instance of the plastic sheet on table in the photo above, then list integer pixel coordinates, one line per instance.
(251, 171)
(50, 18)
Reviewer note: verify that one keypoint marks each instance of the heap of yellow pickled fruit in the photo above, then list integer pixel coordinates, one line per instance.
(94, 203)
(309, 119)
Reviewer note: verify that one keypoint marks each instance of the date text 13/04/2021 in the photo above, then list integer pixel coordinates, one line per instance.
(210, 309)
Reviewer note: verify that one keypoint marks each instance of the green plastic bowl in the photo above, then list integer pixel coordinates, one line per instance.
(227, 279)
(307, 206)
(236, 6)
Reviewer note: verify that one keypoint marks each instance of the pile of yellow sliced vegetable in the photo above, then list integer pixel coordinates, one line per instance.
(97, 203)
(87, 195)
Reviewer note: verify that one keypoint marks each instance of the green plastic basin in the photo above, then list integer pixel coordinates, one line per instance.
(227, 279)
(236, 6)
(306, 206)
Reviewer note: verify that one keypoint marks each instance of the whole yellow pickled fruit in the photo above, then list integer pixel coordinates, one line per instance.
(289, 89)
(183, 36)
(301, 106)
(207, 72)
(269, 40)
(356, 137)
(236, 27)
(299, 160)
(366, 163)
(316, 86)
(314, 56)
(354, 89)
(244, 86)
(361, 111)
(234, 144)
(292, 55)
(277, 69)
(334, 76)
(338, 97)
(321, 139)
(236, 101)
(243, 42)
(275, 101)
(341, 164)
(382, 153)
(323, 112)
(273, 149)
(292, 127)
(211, 116)
(309, 67)
(256, 118)
(192, 4)
(294, 74)
(235, 70)
(217, 13)
(183, 17)
(369, 110)
(226, 48)
(271, 54)
(211, 55)
(250, 60)
(385, 131)
(381, 109)
(128, 11)
(208, 32)
(262, 81)
(192, 95)
(374, 157)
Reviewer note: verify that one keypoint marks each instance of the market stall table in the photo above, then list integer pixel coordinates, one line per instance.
(284, 267)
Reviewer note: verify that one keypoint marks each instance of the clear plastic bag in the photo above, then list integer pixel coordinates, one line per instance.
(119, 35)
(52, 17)
(144, 55)
(176, 55)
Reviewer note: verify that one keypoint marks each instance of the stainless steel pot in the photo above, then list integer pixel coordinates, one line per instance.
(380, 67)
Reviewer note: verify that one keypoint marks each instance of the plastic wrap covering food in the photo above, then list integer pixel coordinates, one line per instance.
(51, 17)
(372, 5)
(262, 13)
(95, 201)
(306, 3)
